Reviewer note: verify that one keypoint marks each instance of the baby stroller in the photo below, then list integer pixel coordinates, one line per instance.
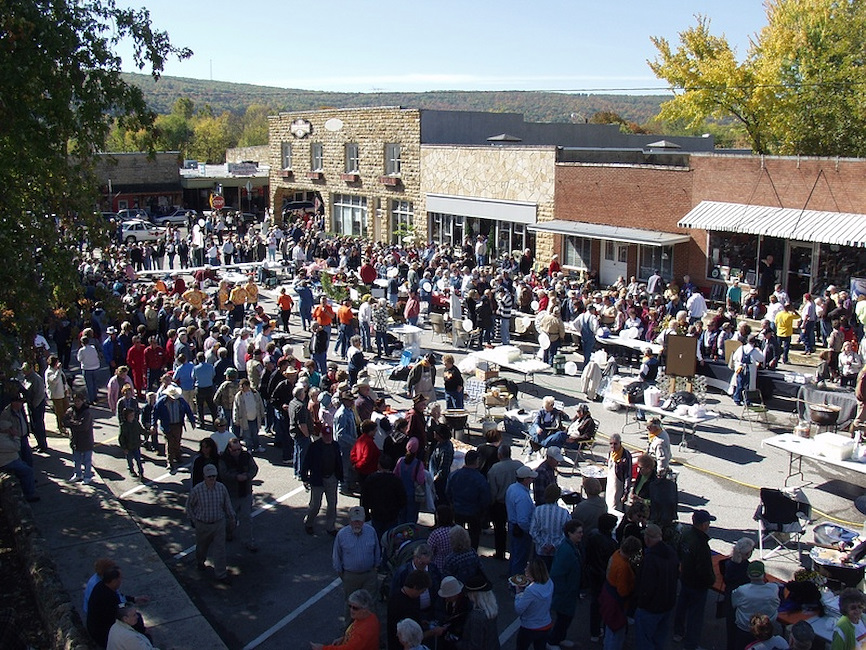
(398, 547)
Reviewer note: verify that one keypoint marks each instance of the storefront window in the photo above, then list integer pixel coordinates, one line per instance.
(402, 218)
(732, 255)
(656, 258)
(576, 252)
(837, 265)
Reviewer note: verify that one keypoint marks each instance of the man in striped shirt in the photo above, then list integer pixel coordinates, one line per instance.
(209, 508)
(505, 300)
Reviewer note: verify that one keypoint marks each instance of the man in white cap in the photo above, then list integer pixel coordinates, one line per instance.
(519, 506)
(209, 508)
(356, 554)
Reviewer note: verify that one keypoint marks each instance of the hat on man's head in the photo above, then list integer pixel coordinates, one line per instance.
(356, 513)
(525, 472)
(755, 569)
(173, 391)
(209, 470)
(555, 453)
(419, 398)
(111, 330)
(701, 517)
(450, 587)
(347, 394)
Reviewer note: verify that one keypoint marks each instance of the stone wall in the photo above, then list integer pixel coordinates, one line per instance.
(371, 129)
(258, 153)
(59, 616)
(504, 173)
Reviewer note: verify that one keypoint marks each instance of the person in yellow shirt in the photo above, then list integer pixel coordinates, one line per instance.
(223, 295)
(252, 292)
(195, 297)
(785, 329)
(159, 286)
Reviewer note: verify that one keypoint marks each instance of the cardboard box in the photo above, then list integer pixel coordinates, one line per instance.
(484, 375)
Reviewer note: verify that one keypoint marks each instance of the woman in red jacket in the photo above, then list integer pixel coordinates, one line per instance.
(365, 453)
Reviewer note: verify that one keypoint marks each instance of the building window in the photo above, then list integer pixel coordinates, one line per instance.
(446, 228)
(317, 157)
(286, 154)
(352, 159)
(656, 258)
(576, 252)
(731, 255)
(349, 215)
(392, 159)
(402, 217)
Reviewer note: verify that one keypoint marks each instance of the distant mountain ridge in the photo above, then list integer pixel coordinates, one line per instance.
(535, 106)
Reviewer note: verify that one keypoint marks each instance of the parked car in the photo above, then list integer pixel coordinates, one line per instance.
(177, 218)
(109, 216)
(133, 213)
(139, 230)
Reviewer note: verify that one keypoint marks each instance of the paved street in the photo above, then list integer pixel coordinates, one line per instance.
(286, 594)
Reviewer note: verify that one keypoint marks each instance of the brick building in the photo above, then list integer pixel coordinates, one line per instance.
(712, 216)
(136, 180)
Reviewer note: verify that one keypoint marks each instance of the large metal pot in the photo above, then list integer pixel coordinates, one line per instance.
(457, 419)
(824, 415)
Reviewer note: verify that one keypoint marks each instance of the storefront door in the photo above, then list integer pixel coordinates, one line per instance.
(799, 265)
(614, 262)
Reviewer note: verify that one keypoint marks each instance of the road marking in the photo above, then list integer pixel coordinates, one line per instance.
(255, 513)
(264, 636)
(508, 632)
(138, 488)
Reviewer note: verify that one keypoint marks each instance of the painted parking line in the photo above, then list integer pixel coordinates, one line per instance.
(264, 636)
(255, 513)
(139, 488)
(508, 632)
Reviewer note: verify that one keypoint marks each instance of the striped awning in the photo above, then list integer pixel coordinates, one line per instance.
(613, 233)
(842, 228)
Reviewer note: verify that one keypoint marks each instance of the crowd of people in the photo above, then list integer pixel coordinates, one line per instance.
(208, 355)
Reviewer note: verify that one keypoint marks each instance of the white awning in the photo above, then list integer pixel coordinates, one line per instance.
(514, 211)
(613, 233)
(843, 228)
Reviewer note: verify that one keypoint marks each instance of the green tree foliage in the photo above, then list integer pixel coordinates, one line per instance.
(59, 80)
(800, 89)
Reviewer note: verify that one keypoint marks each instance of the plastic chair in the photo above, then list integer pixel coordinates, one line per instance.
(437, 322)
(754, 409)
(781, 519)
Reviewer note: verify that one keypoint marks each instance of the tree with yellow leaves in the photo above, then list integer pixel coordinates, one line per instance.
(800, 89)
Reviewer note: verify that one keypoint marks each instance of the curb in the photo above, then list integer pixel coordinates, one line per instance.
(58, 614)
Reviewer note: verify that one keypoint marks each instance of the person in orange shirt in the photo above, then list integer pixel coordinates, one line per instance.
(346, 331)
(223, 295)
(324, 315)
(363, 631)
(285, 303)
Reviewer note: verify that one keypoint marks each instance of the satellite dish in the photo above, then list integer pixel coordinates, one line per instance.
(543, 340)
(393, 272)
(426, 286)
(534, 305)
(467, 325)
(571, 369)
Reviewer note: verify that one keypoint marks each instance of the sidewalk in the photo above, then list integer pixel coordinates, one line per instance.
(81, 523)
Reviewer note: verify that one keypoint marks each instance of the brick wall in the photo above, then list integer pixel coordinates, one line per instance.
(371, 129)
(138, 169)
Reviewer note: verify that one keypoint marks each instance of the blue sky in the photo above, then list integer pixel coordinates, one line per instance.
(417, 45)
